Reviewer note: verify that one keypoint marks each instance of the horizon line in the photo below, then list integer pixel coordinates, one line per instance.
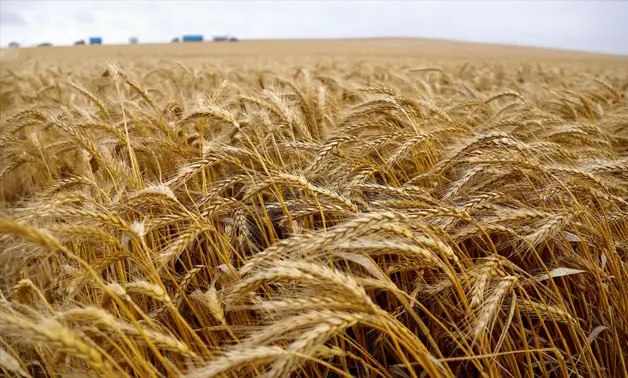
(245, 39)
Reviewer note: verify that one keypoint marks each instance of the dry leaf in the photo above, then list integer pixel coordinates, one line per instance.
(595, 333)
(559, 272)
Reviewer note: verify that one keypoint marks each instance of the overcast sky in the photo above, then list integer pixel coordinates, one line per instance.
(598, 26)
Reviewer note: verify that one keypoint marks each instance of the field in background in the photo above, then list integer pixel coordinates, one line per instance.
(374, 208)
(373, 48)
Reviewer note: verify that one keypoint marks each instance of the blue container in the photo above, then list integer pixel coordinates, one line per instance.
(95, 40)
(193, 38)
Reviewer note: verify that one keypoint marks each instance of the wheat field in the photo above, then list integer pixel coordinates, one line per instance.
(394, 212)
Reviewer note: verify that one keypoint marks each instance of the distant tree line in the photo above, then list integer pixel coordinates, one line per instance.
(132, 41)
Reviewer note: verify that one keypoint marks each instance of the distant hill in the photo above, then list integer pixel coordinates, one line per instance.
(399, 47)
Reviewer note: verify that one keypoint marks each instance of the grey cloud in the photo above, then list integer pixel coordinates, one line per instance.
(11, 18)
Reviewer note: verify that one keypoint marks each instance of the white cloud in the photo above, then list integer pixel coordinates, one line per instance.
(579, 25)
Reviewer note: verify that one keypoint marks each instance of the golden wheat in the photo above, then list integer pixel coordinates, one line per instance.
(319, 217)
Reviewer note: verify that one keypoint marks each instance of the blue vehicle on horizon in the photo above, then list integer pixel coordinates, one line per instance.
(193, 38)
